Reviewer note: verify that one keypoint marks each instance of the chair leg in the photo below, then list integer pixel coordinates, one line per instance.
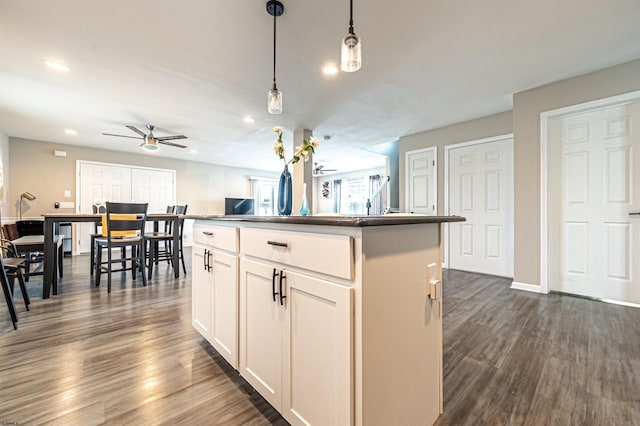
(23, 288)
(152, 257)
(60, 260)
(27, 266)
(93, 253)
(98, 265)
(184, 268)
(108, 270)
(134, 262)
(7, 295)
(142, 257)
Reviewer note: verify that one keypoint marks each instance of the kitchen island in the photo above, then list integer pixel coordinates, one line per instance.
(334, 320)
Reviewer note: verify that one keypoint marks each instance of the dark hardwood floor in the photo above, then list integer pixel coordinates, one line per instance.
(510, 358)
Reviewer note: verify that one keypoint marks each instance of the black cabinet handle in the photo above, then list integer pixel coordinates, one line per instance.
(207, 233)
(276, 243)
(634, 214)
(273, 284)
(282, 296)
(204, 259)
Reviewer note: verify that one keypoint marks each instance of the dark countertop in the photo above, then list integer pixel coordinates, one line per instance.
(357, 221)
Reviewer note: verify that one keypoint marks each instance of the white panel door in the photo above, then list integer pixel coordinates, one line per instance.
(480, 182)
(99, 183)
(155, 187)
(421, 181)
(594, 189)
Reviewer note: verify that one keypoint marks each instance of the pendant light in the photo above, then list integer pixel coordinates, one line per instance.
(351, 57)
(274, 96)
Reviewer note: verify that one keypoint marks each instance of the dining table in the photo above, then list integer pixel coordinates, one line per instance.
(49, 281)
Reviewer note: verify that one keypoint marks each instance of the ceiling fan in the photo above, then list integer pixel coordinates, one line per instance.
(319, 169)
(150, 141)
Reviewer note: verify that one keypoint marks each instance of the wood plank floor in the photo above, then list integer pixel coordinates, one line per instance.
(132, 357)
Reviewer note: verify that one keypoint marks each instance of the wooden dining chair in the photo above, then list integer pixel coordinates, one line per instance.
(26, 228)
(124, 227)
(14, 265)
(155, 238)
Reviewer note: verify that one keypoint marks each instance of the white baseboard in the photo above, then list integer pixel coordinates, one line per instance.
(526, 287)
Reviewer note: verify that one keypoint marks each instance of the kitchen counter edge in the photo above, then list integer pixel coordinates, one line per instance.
(355, 221)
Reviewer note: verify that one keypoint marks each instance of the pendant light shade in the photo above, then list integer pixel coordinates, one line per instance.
(274, 96)
(274, 101)
(351, 52)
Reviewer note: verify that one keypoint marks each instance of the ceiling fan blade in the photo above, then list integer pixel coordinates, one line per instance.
(170, 143)
(134, 129)
(170, 138)
(122, 136)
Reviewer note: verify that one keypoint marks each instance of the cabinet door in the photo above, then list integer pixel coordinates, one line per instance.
(201, 292)
(317, 351)
(224, 310)
(261, 331)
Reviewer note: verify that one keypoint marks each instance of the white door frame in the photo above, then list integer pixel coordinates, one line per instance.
(407, 177)
(544, 142)
(447, 148)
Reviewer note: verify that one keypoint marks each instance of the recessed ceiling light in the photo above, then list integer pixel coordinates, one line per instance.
(330, 70)
(56, 66)
(193, 151)
(71, 132)
(249, 119)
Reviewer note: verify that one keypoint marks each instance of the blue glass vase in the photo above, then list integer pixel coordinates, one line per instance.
(285, 196)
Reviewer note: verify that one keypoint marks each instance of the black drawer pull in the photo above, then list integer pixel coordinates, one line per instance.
(276, 243)
(207, 233)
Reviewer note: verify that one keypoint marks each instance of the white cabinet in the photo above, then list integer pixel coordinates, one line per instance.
(295, 335)
(333, 325)
(215, 289)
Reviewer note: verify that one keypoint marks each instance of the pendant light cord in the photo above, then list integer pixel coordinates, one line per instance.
(274, 46)
(351, 17)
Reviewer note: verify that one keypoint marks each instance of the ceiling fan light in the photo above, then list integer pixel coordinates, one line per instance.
(274, 101)
(150, 145)
(351, 53)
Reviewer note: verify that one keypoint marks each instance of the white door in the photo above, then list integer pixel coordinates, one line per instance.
(421, 181)
(317, 352)
(480, 185)
(154, 187)
(594, 189)
(99, 183)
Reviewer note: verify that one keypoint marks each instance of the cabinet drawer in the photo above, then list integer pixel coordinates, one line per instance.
(216, 236)
(328, 254)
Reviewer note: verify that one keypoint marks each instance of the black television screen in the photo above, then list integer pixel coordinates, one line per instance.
(238, 206)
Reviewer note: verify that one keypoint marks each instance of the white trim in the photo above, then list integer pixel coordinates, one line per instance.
(527, 287)
(545, 116)
(407, 175)
(618, 302)
(448, 148)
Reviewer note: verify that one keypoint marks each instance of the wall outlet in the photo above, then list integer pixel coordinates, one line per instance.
(67, 193)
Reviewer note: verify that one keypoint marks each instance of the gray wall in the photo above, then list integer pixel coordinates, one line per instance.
(34, 168)
(4, 172)
(493, 125)
(524, 122)
(527, 107)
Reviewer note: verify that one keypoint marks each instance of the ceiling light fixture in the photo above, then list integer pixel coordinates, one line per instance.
(71, 132)
(56, 66)
(330, 70)
(351, 57)
(274, 96)
(248, 119)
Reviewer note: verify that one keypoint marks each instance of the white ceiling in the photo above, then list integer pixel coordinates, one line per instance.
(197, 67)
